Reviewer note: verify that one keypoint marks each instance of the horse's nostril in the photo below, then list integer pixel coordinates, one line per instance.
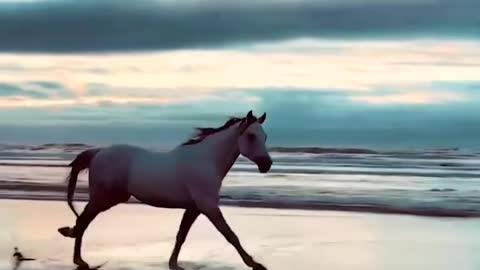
(264, 165)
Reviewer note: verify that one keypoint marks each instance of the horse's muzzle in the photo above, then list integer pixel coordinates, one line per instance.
(264, 164)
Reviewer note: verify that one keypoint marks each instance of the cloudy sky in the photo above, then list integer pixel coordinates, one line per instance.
(374, 73)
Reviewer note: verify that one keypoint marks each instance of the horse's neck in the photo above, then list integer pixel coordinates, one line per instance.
(222, 150)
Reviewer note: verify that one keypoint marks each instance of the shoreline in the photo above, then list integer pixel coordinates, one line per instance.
(425, 212)
(440, 183)
(57, 192)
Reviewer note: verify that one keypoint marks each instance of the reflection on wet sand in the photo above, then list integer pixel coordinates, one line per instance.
(141, 237)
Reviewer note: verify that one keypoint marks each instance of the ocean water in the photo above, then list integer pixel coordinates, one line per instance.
(438, 182)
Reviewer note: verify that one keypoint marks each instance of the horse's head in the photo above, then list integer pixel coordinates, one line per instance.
(252, 142)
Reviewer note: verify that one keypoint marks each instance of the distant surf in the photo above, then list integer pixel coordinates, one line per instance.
(432, 182)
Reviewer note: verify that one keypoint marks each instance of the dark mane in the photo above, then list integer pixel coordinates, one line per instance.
(202, 133)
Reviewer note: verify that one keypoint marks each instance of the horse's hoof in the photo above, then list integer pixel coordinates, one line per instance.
(259, 267)
(66, 231)
(81, 263)
(82, 267)
(175, 266)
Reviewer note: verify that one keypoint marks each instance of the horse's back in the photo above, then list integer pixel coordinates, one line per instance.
(118, 156)
(109, 169)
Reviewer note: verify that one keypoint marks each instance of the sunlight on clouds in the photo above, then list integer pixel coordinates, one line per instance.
(307, 64)
(17, 101)
(191, 71)
(416, 97)
(36, 103)
(70, 82)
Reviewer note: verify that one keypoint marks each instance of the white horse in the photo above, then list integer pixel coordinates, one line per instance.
(188, 177)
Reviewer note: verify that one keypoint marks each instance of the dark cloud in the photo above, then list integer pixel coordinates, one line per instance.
(47, 84)
(470, 87)
(34, 89)
(331, 118)
(295, 117)
(11, 90)
(98, 89)
(107, 25)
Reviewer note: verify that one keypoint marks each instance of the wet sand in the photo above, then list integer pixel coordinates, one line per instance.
(133, 236)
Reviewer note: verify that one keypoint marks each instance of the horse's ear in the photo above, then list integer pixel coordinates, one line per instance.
(262, 118)
(250, 115)
(247, 121)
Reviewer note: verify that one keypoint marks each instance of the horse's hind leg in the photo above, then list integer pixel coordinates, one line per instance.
(92, 209)
(87, 216)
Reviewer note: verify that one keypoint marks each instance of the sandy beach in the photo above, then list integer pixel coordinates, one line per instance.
(333, 134)
(132, 236)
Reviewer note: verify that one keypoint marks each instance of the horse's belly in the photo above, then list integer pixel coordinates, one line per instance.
(165, 202)
(160, 194)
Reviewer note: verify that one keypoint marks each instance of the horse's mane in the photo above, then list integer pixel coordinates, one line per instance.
(203, 133)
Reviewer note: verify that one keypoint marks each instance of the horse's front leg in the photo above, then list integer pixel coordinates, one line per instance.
(188, 219)
(216, 217)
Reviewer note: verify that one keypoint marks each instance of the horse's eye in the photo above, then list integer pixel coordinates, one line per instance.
(251, 137)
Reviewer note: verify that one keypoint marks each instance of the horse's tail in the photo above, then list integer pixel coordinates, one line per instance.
(80, 163)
